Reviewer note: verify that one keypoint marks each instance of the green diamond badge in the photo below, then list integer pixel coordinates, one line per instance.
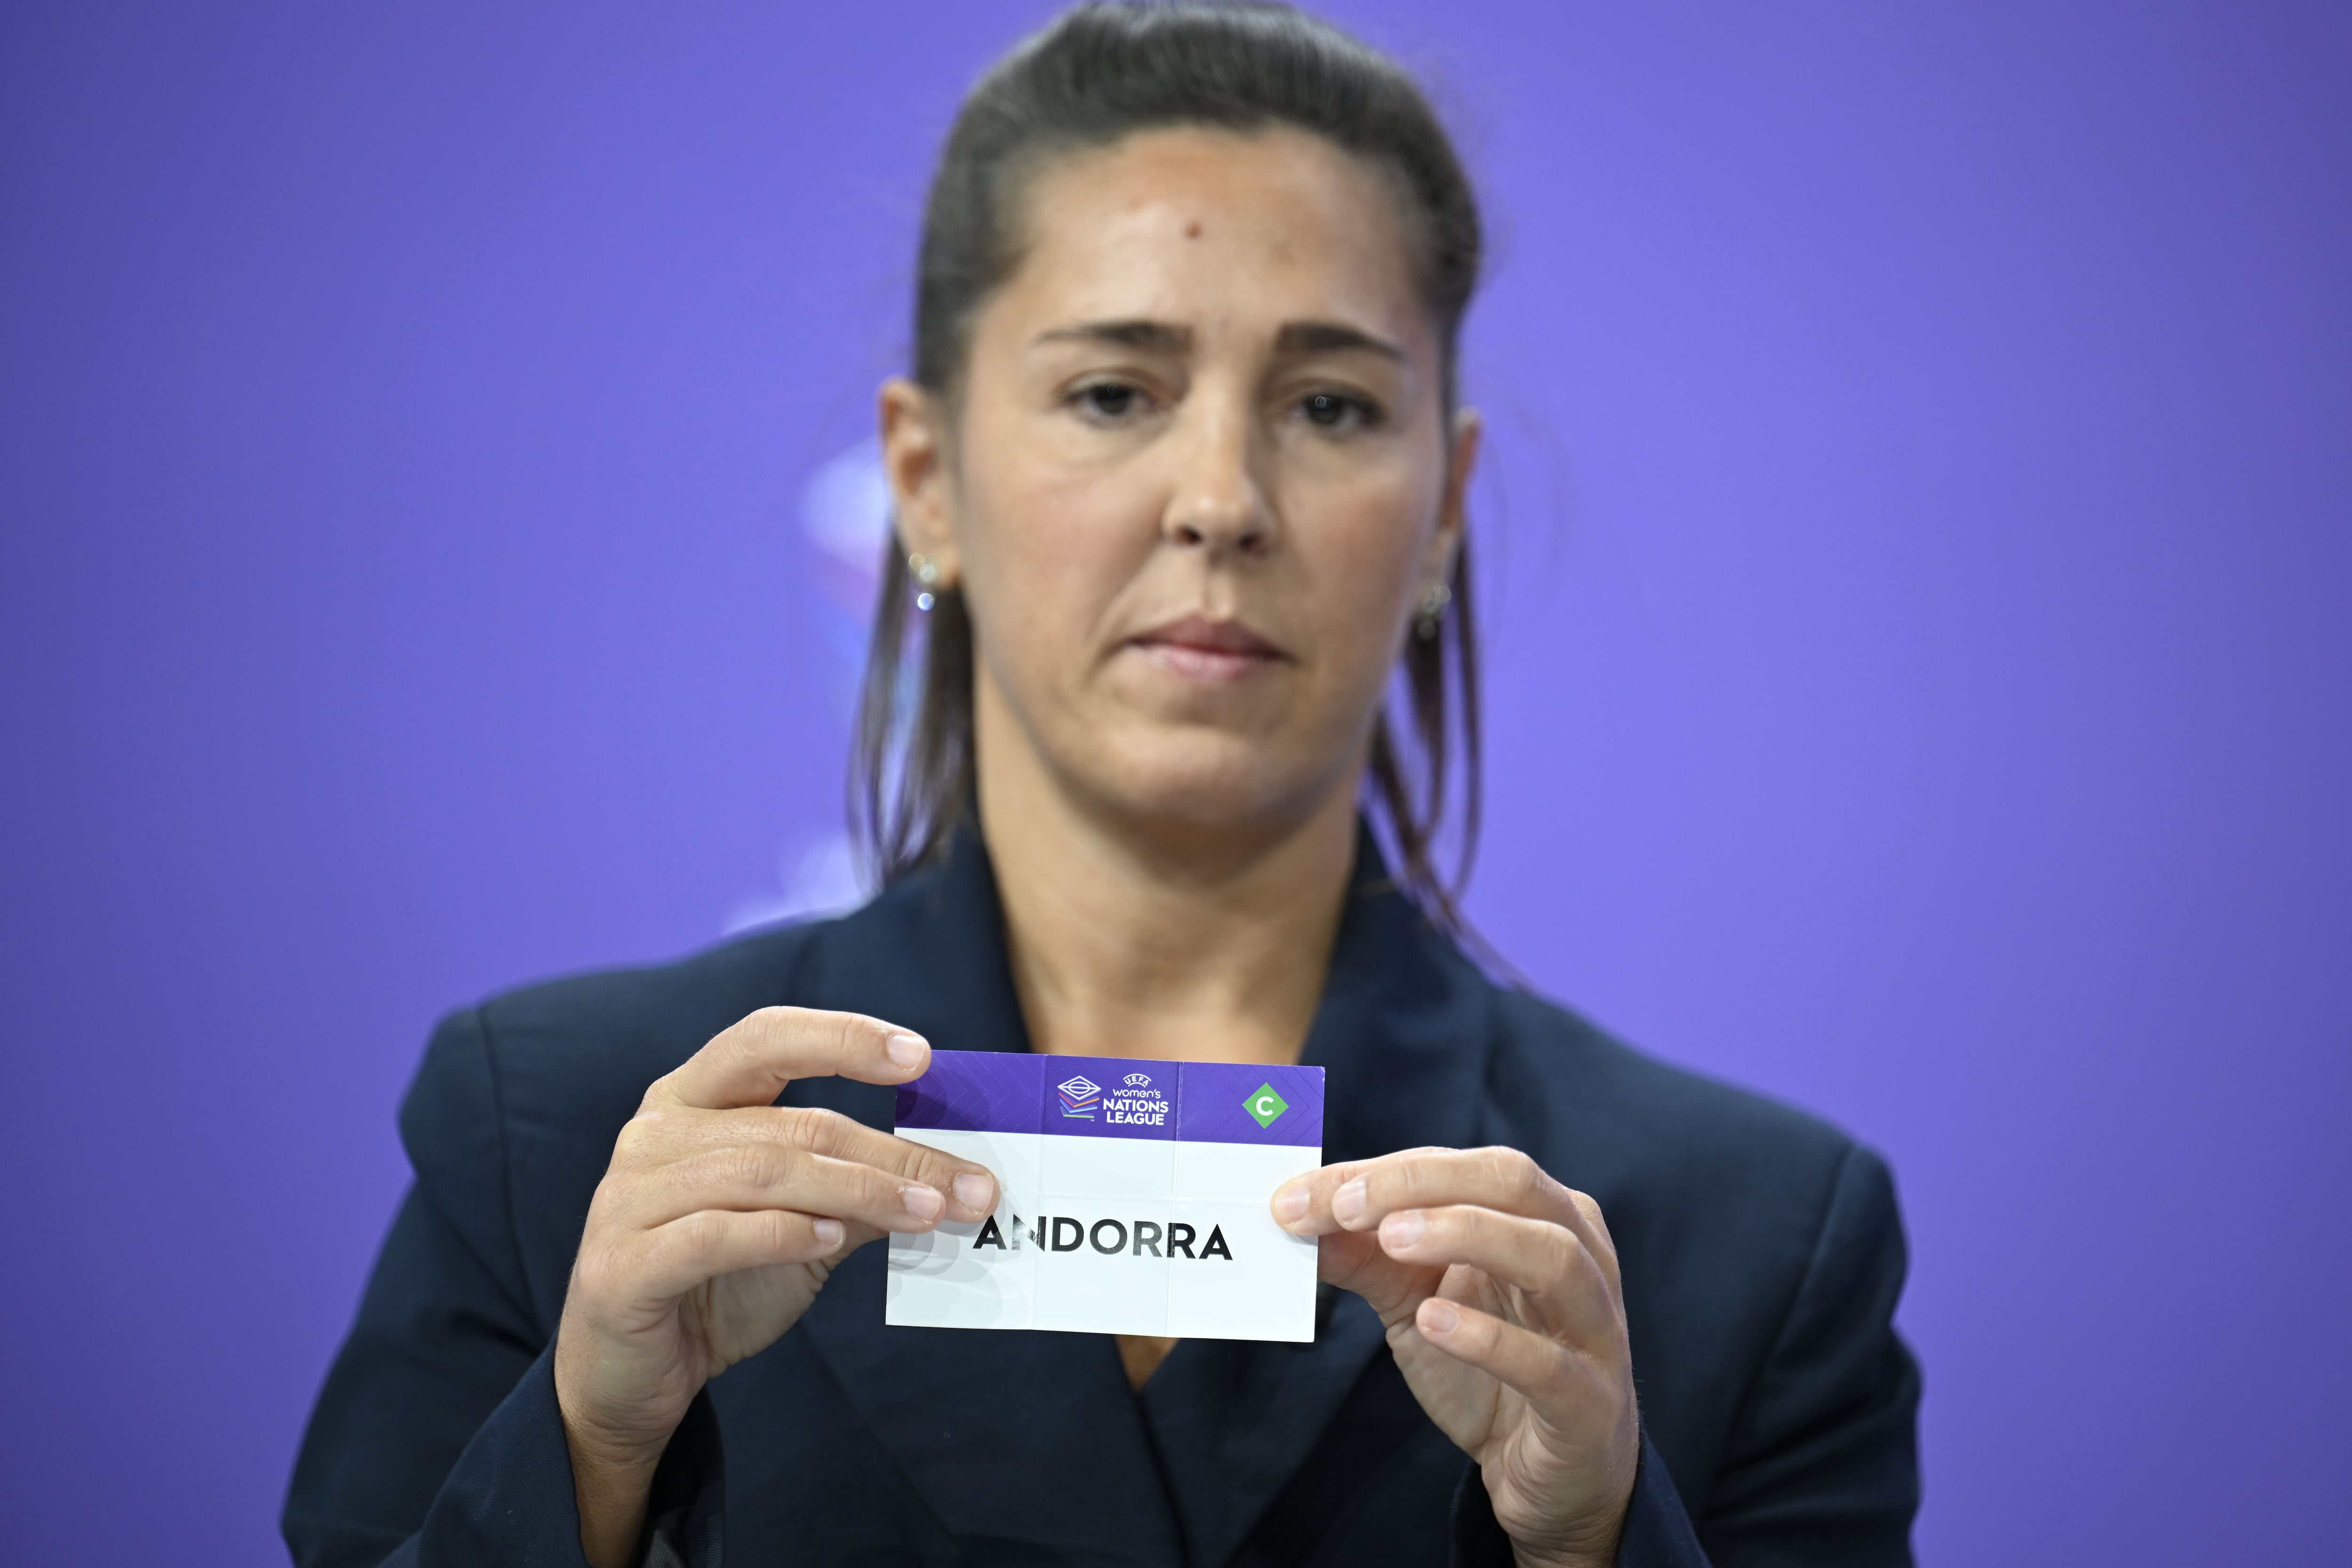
(1266, 1105)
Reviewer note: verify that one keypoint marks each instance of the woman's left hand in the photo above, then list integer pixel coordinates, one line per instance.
(1499, 1291)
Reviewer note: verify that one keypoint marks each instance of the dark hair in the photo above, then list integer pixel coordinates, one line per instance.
(1100, 73)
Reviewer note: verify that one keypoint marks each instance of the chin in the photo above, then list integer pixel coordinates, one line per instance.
(1200, 783)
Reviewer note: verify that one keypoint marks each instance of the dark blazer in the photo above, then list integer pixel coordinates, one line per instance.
(1763, 1257)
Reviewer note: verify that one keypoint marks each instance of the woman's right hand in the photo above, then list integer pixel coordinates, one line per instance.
(714, 1228)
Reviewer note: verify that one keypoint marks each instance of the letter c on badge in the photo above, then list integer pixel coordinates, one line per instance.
(1095, 1236)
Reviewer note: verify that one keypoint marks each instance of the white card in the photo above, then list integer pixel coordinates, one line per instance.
(1131, 1197)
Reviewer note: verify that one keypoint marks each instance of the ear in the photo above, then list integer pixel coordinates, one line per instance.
(914, 424)
(1454, 508)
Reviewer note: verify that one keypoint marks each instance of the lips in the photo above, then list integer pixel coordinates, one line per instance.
(1213, 652)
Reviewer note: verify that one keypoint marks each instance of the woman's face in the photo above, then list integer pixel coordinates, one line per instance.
(1199, 475)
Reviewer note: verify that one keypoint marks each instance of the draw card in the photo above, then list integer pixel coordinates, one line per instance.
(1131, 1197)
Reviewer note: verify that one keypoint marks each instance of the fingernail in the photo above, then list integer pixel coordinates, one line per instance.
(1348, 1203)
(1290, 1204)
(829, 1232)
(1403, 1229)
(974, 1192)
(1439, 1317)
(923, 1203)
(906, 1051)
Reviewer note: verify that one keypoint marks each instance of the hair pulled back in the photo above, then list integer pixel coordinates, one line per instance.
(1098, 74)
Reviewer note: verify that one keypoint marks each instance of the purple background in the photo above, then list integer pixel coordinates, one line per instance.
(1919, 546)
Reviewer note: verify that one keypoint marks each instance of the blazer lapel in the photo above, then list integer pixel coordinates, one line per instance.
(1032, 1438)
(1403, 1032)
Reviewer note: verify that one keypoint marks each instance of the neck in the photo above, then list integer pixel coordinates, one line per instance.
(1128, 940)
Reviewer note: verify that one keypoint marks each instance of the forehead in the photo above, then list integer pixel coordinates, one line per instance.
(1195, 225)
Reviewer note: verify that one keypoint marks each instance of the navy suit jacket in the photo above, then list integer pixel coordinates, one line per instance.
(1763, 1256)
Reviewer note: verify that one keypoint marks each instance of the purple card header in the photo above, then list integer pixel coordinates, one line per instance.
(1117, 1097)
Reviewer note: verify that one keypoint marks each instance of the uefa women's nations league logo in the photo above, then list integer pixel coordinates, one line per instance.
(1136, 1103)
(1081, 1096)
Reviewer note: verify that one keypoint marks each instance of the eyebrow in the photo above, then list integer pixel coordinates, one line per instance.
(1331, 337)
(1157, 336)
(1162, 337)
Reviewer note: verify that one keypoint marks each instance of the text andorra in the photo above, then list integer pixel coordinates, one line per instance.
(1135, 1239)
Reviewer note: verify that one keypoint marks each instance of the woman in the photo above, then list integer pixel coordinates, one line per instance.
(1179, 480)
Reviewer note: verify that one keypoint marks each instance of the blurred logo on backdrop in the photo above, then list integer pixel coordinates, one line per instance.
(836, 563)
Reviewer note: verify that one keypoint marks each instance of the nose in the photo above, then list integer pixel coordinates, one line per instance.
(1219, 503)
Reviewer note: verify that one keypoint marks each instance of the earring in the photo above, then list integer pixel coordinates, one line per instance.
(927, 572)
(1433, 600)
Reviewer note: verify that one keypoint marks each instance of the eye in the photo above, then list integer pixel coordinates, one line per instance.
(1337, 411)
(1108, 400)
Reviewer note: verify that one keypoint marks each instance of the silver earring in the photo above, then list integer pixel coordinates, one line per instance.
(927, 572)
(1433, 600)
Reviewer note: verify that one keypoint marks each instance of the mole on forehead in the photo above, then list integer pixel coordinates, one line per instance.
(1192, 230)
